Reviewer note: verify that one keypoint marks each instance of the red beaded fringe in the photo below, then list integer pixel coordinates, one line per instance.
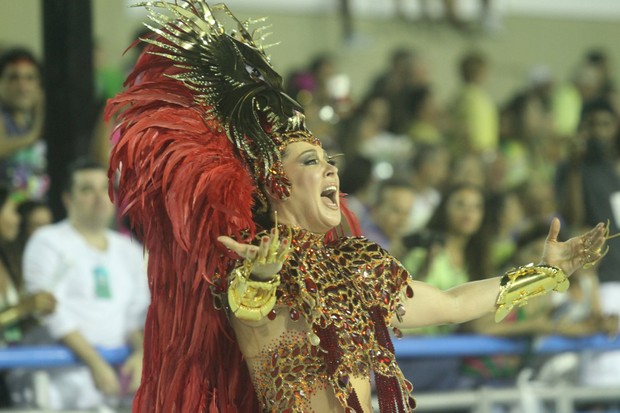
(389, 392)
(333, 355)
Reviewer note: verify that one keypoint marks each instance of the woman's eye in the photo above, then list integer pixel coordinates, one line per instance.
(331, 161)
(311, 162)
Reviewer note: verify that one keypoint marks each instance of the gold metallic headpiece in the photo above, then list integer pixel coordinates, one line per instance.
(232, 78)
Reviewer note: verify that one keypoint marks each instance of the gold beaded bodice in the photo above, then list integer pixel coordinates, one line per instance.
(338, 299)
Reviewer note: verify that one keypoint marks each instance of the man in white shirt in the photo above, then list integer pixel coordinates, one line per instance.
(98, 278)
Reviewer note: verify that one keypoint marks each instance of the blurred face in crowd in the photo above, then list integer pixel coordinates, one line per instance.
(601, 125)
(88, 204)
(464, 211)
(436, 168)
(314, 202)
(9, 220)
(392, 211)
(468, 169)
(413, 71)
(535, 121)
(20, 86)
(600, 130)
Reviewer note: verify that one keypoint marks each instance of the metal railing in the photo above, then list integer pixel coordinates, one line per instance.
(481, 400)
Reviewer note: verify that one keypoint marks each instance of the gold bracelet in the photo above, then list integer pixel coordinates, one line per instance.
(251, 300)
(522, 283)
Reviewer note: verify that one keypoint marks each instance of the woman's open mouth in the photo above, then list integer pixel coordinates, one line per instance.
(330, 196)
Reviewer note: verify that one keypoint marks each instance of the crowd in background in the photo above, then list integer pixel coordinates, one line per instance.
(467, 190)
(457, 192)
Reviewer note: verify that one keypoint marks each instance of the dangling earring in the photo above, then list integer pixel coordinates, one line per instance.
(277, 183)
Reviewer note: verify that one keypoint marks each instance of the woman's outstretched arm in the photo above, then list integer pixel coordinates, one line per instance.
(431, 306)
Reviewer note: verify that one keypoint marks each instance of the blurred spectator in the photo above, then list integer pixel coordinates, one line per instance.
(565, 106)
(588, 190)
(430, 167)
(476, 120)
(407, 70)
(34, 215)
(13, 307)
(588, 183)
(468, 168)
(525, 131)
(451, 251)
(424, 116)
(310, 85)
(366, 133)
(388, 214)
(599, 60)
(537, 200)
(356, 181)
(573, 314)
(22, 151)
(325, 95)
(540, 84)
(99, 280)
(503, 219)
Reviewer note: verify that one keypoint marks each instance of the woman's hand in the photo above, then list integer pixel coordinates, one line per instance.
(581, 251)
(267, 258)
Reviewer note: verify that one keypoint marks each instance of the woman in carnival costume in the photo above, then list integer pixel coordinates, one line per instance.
(260, 303)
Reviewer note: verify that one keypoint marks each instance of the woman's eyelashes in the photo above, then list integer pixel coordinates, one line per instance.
(315, 160)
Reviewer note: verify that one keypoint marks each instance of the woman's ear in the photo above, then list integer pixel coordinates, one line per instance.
(268, 192)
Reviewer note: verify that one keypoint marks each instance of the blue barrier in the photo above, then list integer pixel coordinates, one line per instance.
(53, 356)
(407, 347)
(477, 345)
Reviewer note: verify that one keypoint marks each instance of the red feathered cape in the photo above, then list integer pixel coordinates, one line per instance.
(182, 186)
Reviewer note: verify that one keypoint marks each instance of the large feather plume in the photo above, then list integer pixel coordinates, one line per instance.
(182, 184)
(228, 72)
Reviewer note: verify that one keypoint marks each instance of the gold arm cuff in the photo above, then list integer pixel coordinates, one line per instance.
(251, 300)
(522, 283)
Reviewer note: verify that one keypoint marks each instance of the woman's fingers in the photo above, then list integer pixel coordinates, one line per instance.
(244, 250)
(270, 249)
(554, 230)
(592, 245)
(285, 248)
